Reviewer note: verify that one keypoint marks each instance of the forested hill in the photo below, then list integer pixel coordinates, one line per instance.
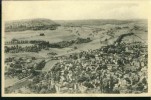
(30, 24)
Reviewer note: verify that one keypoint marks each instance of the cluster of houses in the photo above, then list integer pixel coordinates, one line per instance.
(22, 67)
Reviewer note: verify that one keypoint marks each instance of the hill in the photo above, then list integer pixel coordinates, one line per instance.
(30, 24)
(98, 22)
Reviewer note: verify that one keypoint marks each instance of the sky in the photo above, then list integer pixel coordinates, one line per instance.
(71, 10)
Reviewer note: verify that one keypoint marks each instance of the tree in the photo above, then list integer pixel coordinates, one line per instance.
(75, 47)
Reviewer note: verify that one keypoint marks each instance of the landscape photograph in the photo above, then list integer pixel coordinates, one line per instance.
(75, 48)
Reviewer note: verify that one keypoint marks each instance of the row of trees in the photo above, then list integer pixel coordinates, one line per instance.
(16, 41)
(38, 45)
(17, 49)
(64, 44)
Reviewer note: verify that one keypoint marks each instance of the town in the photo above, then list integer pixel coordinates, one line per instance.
(110, 69)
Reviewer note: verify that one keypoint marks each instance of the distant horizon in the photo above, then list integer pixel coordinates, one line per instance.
(74, 19)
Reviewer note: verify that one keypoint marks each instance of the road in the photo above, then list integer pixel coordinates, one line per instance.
(49, 65)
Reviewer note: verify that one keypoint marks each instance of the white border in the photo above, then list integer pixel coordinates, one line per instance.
(147, 3)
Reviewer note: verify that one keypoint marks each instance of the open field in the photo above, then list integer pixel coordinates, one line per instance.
(50, 35)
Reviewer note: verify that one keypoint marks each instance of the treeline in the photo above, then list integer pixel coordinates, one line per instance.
(38, 45)
(15, 41)
(64, 44)
(17, 49)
